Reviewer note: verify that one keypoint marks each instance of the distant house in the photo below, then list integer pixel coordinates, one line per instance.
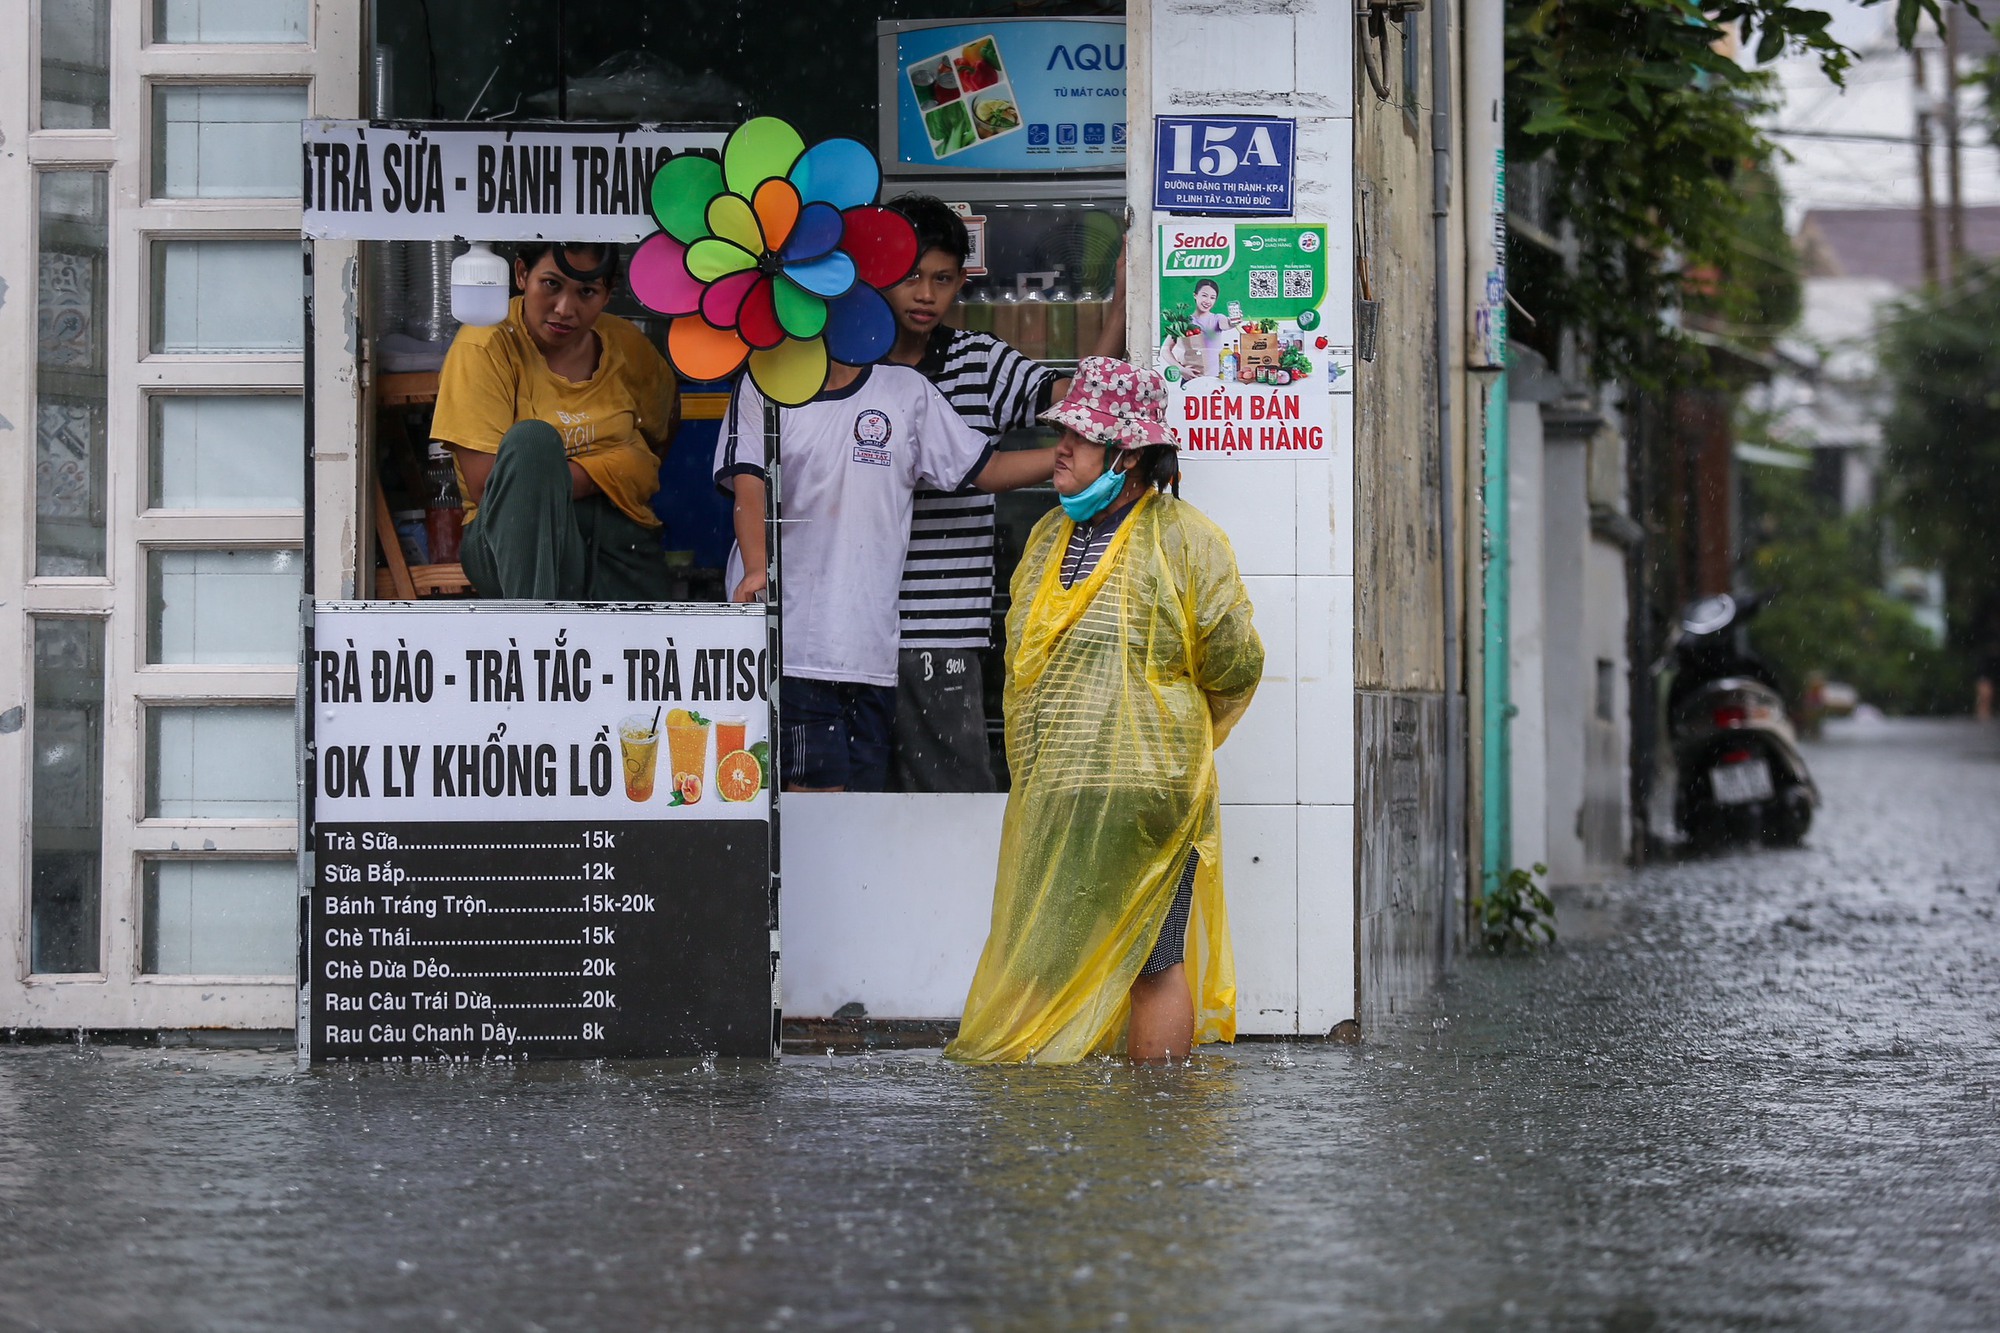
(1830, 400)
(1856, 261)
(1884, 243)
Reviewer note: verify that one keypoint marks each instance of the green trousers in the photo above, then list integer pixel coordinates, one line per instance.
(532, 541)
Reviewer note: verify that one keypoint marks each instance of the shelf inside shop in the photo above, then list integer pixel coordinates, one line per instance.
(407, 388)
(1052, 330)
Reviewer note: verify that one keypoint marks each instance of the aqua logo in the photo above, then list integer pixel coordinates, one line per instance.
(1088, 55)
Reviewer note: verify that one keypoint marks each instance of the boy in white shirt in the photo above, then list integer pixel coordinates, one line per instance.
(853, 459)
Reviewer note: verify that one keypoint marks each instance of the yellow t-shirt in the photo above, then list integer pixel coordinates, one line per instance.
(494, 376)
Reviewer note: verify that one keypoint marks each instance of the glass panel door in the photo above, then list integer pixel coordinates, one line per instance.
(152, 533)
(70, 406)
(224, 142)
(67, 835)
(222, 22)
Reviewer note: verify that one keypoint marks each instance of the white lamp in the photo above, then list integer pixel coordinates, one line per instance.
(479, 288)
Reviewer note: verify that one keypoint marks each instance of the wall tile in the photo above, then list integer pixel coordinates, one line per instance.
(1260, 866)
(1326, 917)
(1326, 691)
(1258, 763)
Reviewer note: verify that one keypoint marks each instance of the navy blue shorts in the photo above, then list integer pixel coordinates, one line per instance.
(836, 733)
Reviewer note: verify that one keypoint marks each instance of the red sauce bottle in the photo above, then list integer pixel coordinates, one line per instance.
(444, 509)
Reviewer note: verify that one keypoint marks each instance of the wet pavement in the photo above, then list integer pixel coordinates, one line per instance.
(1755, 1091)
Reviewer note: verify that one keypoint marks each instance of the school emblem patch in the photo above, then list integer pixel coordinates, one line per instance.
(872, 430)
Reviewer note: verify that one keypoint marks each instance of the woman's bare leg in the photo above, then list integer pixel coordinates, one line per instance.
(1162, 1027)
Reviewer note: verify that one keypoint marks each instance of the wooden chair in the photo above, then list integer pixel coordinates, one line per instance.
(402, 580)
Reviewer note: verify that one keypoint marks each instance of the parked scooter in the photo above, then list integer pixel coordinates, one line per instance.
(1740, 775)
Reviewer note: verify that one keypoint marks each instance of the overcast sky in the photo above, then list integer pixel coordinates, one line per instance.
(1878, 100)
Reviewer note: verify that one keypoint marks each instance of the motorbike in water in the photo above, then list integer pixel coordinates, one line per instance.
(1740, 776)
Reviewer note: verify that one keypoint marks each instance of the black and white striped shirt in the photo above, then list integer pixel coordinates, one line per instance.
(947, 592)
(1087, 544)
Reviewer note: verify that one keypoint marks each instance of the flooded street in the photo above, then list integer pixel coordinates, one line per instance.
(1759, 1090)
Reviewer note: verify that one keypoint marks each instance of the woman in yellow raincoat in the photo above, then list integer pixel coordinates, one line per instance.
(1130, 654)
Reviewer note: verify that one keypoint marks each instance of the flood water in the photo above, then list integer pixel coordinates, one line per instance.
(1755, 1091)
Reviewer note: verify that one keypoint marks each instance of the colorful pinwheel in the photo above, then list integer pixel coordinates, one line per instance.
(773, 256)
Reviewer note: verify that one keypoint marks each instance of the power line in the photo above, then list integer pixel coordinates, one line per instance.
(1863, 136)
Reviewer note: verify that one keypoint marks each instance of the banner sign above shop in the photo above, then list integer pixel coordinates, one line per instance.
(427, 181)
(1003, 95)
(1223, 165)
(536, 833)
(1242, 338)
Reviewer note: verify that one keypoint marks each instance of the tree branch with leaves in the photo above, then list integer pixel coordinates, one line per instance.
(1648, 122)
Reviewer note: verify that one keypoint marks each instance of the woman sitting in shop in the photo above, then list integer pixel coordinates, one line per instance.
(1130, 655)
(557, 418)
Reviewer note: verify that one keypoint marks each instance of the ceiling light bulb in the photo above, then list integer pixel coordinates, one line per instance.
(479, 287)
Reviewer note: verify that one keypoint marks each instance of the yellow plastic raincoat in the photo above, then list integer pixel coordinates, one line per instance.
(1118, 691)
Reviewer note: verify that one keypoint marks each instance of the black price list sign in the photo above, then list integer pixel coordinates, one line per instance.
(467, 941)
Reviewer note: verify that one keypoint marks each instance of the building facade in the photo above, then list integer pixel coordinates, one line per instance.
(183, 385)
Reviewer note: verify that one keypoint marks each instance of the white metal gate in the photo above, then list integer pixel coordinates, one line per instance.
(153, 379)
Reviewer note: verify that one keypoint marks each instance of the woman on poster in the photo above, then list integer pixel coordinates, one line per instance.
(1212, 327)
(1130, 655)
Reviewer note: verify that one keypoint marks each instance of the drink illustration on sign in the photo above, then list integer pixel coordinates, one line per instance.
(964, 96)
(741, 771)
(639, 744)
(687, 748)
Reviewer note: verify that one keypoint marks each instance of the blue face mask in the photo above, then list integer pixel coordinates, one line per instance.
(1093, 499)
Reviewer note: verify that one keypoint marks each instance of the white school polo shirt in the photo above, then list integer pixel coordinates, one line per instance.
(853, 459)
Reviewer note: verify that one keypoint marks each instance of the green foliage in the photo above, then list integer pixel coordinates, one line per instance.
(1941, 354)
(1516, 913)
(1648, 130)
(1177, 321)
(1757, 293)
(1828, 612)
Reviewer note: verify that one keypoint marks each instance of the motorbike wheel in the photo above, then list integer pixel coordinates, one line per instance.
(1788, 818)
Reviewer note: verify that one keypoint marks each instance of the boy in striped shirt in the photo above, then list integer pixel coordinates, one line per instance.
(947, 589)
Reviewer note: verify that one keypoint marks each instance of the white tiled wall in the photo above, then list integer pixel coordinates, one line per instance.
(1260, 874)
(1292, 522)
(1258, 764)
(1326, 916)
(1326, 691)
(886, 901)
(1250, 499)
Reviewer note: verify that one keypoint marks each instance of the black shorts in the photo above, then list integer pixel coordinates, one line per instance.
(836, 733)
(941, 722)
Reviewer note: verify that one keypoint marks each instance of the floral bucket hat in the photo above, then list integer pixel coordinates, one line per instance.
(1116, 403)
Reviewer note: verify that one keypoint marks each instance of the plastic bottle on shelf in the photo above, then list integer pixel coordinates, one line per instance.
(1063, 341)
(412, 533)
(444, 508)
